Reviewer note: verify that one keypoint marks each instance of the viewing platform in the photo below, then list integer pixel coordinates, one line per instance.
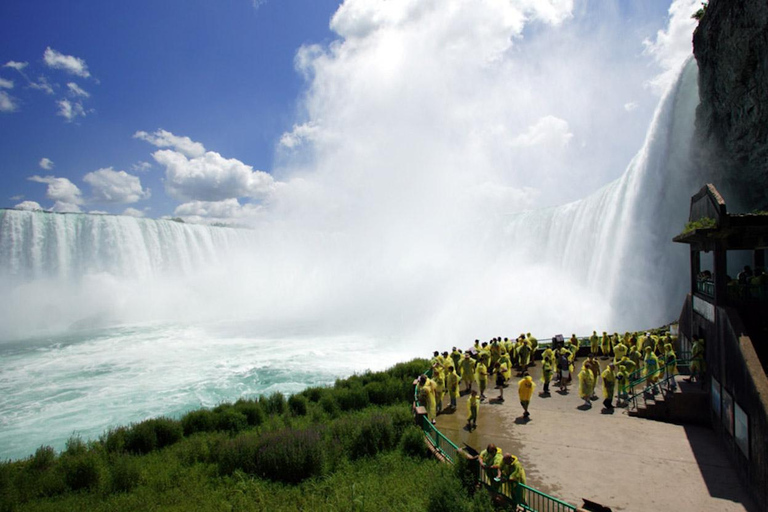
(621, 462)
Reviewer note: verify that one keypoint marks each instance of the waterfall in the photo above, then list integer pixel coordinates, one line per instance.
(604, 262)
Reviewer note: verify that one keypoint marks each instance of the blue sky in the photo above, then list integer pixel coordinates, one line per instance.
(87, 85)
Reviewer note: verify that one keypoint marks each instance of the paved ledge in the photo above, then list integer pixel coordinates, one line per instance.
(616, 460)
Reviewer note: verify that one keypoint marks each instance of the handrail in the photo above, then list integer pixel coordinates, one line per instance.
(442, 444)
(521, 495)
(648, 389)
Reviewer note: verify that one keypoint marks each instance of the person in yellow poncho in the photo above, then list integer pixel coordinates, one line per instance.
(481, 371)
(547, 370)
(468, 371)
(426, 394)
(490, 461)
(574, 342)
(513, 472)
(670, 366)
(525, 391)
(473, 406)
(609, 385)
(605, 345)
(452, 386)
(594, 343)
(586, 384)
(651, 372)
(439, 380)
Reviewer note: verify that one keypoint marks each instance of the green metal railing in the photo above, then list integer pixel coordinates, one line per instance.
(441, 443)
(522, 496)
(665, 383)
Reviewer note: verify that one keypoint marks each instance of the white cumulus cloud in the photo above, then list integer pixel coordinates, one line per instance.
(68, 63)
(65, 193)
(225, 211)
(18, 66)
(75, 90)
(70, 110)
(46, 163)
(548, 131)
(299, 134)
(629, 107)
(28, 205)
(6, 84)
(165, 139)
(141, 167)
(7, 102)
(110, 186)
(211, 177)
(133, 212)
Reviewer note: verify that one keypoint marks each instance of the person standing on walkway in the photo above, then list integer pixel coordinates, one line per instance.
(500, 369)
(426, 394)
(473, 406)
(609, 386)
(670, 366)
(525, 391)
(452, 385)
(546, 373)
(439, 380)
(594, 343)
(586, 384)
(467, 371)
(605, 346)
(651, 373)
(482, 378)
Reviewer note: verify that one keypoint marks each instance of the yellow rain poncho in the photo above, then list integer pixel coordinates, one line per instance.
(452, 384)
(467, 370)
(586, 383)
(473, 406)
(426, 394)
(525, 388)
(609, 382)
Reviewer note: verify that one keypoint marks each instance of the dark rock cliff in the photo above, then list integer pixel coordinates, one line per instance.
(731, 48)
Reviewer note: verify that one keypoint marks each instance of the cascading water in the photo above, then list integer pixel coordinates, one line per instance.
(108, 320)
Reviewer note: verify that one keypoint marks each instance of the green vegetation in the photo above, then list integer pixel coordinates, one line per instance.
(702, 223)
(700, 13)
(352, 446)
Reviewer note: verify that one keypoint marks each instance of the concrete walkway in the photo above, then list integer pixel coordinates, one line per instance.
(622, 462)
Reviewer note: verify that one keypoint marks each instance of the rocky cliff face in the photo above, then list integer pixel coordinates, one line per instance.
(731, 48)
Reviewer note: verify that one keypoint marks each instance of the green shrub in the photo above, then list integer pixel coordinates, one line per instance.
(230, 420)
(466, 473)
(195, 449)
(201, 420)
(252, 411)
(445, 494)
(412, 443)
(352, 399)
(330, 405)
(238, 454)
(374, 435)
(274, 403)
(314, 394)
(290, 456)
(114, 440)
(167, 431)
(298, 405)
(75, 446)
(82, 470)
(141, 438)
(125, 474)
(44, 458)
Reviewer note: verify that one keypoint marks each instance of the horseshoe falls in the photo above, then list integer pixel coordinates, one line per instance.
(107, 320)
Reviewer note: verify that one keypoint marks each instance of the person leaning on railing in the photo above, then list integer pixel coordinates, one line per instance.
(490, 461)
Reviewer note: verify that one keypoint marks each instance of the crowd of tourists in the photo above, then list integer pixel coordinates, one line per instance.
(620, 363)
(631, 358)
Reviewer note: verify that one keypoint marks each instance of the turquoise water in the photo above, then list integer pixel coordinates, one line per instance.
(85, 383)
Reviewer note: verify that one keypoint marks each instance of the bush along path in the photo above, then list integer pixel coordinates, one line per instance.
(352, 446)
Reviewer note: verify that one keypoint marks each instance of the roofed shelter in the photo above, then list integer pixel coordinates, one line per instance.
(731, 314)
